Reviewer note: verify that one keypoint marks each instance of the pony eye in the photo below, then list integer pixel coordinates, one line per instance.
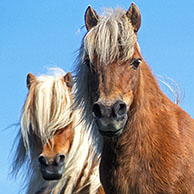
(135, 63)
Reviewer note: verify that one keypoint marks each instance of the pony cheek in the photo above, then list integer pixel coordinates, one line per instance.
(128, 99)
(66, 147)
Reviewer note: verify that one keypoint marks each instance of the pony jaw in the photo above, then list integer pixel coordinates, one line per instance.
(52, 173)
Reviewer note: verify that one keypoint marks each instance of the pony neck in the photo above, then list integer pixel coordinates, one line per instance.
(147, 94)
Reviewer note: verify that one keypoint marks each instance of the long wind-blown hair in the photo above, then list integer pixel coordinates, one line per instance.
(48, 107)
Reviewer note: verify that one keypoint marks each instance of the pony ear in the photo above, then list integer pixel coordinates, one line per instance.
(91, 18)
(30, 79)
(68, 78)
(134, 15)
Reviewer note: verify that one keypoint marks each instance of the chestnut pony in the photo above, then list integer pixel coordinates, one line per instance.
(148, 140)
(58, 154)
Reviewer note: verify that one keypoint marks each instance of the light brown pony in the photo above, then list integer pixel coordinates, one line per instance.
(56, 152)
(148, 140)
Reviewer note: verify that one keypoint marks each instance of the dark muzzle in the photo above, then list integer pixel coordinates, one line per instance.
(52, 169)
(110, 117)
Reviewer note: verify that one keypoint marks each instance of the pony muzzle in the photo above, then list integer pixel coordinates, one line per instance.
(52, 169)
(110, 119)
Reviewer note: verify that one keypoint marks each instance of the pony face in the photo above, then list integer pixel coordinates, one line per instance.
(52, 158)
(112, 57)
(115, 92)
(48, 117)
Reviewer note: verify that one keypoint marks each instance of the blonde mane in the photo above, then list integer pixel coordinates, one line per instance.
(43, 117)
(112, 34)
(48, 107)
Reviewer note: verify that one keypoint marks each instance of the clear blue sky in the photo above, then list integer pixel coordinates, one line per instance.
(38, 34)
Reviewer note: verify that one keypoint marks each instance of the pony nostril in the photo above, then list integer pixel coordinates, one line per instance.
(122, 109)
(97, 110)
(43, 160)
(60, 159)
(119, 109)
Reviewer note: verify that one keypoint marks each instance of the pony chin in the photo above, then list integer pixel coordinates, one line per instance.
(111, 127)
(52, 173)
(111, 133)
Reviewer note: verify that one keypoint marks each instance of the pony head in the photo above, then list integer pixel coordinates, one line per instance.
(109, 66)
(47, 118)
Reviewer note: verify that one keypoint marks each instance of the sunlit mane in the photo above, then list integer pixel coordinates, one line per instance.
(43, 117)
(109, 37)
(175, 93)
(48, 107)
